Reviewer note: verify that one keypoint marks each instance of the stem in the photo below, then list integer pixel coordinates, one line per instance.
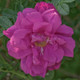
(13, 72)
(7, 4)
(69, 74)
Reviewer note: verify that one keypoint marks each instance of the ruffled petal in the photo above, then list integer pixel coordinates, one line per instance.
(26, 64)
(40, 69)
(16, 52)
(52, 55)
(49, 54)
(42, 27)
(56, 66)
(59, 53)
(22, 22)
(43, 6)
(69, 46)
(32, 15)
(65, 30)
(17, 40)
(35, 56)
(9, 32)
(21, 33)
(35, 70)
(28, 10)
(53, 18)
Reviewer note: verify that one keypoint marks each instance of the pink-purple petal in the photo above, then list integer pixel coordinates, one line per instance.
(42, 27)
(65, 30)
(69, 46)
(16, 52)
(56, 66)
(49, 54)
(9, 32)
(53, 18)
(26, 64)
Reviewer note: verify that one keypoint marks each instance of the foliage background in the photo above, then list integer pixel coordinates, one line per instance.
(10, 68)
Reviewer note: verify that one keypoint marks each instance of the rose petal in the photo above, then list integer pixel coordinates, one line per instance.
(49, 54)
(53, 18)
(69, 46)
(9, 32)
(43, 6)
(32, 15)
(65, 30)
(59, 53)
(40, 69)
(56, 66)
(35, 56)
(22, 22)
(26, 64)
(16, 52)
(42, 27)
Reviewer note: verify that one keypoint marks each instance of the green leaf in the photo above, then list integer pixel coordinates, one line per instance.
(19, 5)
(70, 79)
(49, 75)
(2, 75)
(9, 13)
(67, 79)
(63, 9)
(2, 62)
(68, 1)
(56, 2)
(1, 32)
(25, 3)
(5, 22)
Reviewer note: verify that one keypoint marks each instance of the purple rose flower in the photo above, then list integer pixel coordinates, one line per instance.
(39, 39)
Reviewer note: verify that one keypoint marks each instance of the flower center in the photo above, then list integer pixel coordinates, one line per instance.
(40, 40)
(41, 44)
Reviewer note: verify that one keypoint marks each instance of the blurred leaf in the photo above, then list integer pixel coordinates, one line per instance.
(70, 79)
(9, 13)
(5, 22)
(1, 32)
(63, 9)
(61, 6)
(56, 2)
(67, 1)
(49, 75)
(19, 6)
(78, 1)
(2, 5)
(2, 75)
(3, 63)
(25, 3)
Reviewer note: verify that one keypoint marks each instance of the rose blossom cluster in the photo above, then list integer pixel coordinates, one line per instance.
(39, 39)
